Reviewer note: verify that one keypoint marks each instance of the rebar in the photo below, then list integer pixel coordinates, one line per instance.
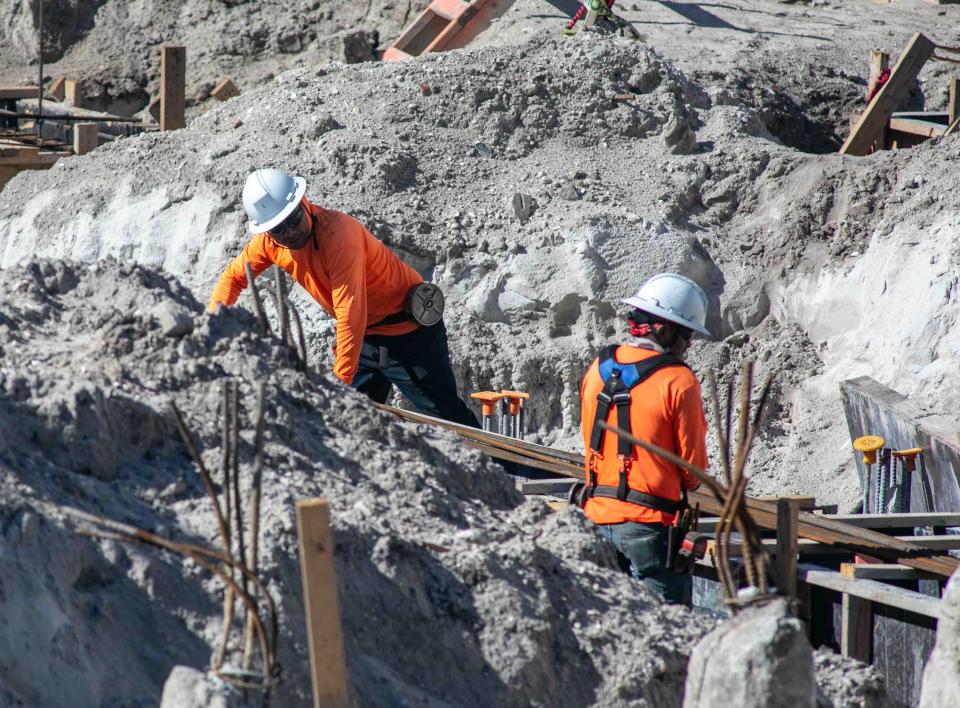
(228, 600)
(235, 470)
(253, 546)
(257, 302)
(281, 297)
(301, 341)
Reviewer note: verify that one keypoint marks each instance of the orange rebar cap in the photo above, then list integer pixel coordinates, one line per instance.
(488, 401)
(516, 399)
(868, 445)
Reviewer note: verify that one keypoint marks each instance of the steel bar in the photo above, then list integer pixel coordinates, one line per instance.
(281, 296)
(228, 600)
(253, 546)
(257, 302)
(301, 342)
(235, 471)
(69, 118)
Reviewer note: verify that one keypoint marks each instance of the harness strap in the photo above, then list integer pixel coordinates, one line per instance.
(667, 506)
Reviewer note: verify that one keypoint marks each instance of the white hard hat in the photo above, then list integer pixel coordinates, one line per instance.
(673, 298)
(270, 196)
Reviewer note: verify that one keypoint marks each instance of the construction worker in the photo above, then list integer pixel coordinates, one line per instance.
(388, 331)
(643, 386)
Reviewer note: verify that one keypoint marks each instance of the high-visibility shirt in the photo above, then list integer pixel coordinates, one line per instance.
(667, 410)
(349, 272)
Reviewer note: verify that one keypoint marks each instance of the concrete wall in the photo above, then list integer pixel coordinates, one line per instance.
(873, 409)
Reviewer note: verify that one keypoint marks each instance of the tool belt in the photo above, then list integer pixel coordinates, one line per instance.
(423, 304)
(684, 544)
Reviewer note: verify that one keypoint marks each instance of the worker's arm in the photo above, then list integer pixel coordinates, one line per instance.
(691, 431)
(346, 265)
(234, 277)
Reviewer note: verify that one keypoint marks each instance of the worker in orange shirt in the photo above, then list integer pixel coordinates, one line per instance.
(389, 322)
(644, 387)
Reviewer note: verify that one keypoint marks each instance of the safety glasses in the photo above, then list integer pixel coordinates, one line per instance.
(288, 224)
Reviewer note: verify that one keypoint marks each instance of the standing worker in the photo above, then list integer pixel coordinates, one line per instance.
(644, 387)
(389, 322)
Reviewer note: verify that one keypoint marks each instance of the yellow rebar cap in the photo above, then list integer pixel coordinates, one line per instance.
(868, 445)
(910, 452)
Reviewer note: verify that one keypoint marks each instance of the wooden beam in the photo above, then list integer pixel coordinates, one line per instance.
(173, 76)
(879, 61)
(787, 546)
(882, 571)
(225, 90)
(895, 521)
(856, 627)
(869, 129)
(327, 666)
(801, 502)
(85, 138)
(915, 125)
(804, 547)
(881, 593)
(73, 93)
(17, 92)
(932, 543)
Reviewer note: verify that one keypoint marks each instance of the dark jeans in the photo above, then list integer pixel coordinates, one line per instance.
(645, 547)
(417, 363)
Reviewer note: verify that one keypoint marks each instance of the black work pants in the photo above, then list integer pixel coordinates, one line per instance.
(417, 363)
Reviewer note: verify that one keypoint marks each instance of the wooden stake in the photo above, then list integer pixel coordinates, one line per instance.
(787, 525)
(879, 61)
(327, 665)
(873, 122)
(856, 628)
(954, 107)
(85, 138)
(225, 90)
(58, 88)
(173, 74)
(73, 93)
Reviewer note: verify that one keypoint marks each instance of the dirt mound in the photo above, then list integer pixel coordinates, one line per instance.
(89, 361)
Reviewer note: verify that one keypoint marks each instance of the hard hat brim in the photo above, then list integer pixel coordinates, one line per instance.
(668, 315)
(256, 228)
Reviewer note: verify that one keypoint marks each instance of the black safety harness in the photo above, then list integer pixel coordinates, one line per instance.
(618, 380)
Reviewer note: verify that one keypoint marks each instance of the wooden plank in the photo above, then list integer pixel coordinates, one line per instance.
(895, 521)
(882, 571)
(879, 61)
(804, 546)
(85, 138)
(58, 88)
(173, 76)
(545, 486)
(18, 92)
(225, 90)
(73, 93)
(19, 152)
(327, 665)
(869, 129)
(787, 546)
(907, 123)
(856, 627)
(932, 543)
(881, 593)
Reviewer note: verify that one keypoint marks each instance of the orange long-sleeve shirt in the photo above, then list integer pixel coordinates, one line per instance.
(667, 410)
(351, 274)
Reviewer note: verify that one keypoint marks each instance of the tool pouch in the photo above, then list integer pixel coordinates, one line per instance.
(577, 494)
(424, 304)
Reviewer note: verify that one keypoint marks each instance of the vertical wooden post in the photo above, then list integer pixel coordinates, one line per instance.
(856, 630)
(879, 61)
(173, 76)
(85, 138)
(327, 665)
(787, 524)
(73, 93)
(954, 106)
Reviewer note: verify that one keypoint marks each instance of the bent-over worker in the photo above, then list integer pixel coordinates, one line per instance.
(644, 387)
(357, 280)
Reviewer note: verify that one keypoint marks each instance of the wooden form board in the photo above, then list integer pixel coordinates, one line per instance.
(58, 88)
(787, 545)
(900, 521)
(173, 77)
(871, 590)
(870, 128)
(18, 92)
(327, 665)
(882, 571)
(73, 93)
